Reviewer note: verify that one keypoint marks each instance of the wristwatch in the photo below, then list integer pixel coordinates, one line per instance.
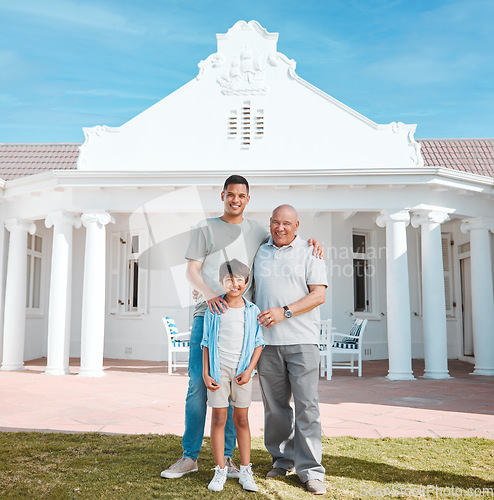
(288, 313)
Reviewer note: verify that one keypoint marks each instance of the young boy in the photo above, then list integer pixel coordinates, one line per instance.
(232, 343)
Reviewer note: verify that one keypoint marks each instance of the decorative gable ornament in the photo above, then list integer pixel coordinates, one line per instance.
(242, 58)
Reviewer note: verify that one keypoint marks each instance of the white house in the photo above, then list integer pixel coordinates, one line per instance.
(92, 251)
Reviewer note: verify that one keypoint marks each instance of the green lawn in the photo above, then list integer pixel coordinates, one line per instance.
(89, 466)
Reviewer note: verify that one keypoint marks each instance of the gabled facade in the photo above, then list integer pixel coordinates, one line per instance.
(94, 242)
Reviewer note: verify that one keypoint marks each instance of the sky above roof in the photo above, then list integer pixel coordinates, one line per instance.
(68, 64)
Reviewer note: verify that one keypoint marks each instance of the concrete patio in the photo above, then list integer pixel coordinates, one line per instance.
(140, 397)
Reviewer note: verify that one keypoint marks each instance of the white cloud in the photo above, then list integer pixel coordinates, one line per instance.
(68, 12)
(110, 93)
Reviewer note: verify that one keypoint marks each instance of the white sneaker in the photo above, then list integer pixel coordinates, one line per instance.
(219, 479)
(247, 478)
(180, 468)
(233, 471)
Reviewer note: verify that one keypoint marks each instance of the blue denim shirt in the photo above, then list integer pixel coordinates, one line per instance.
(252, 338)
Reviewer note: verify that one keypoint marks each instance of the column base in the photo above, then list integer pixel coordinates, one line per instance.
(11, 368)
(400, 376)
(436, 375)
(57, 371)
(486, 372)
(91, 373)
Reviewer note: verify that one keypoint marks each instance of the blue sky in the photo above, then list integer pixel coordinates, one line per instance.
(68, 64)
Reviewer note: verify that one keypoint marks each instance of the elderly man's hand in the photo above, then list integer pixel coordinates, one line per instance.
(271, 316)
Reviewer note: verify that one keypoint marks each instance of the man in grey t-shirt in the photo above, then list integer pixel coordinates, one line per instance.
(213, 242)
(290, 285)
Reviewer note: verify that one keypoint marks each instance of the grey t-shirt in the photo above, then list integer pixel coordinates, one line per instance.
(215, 241)
(282, 276)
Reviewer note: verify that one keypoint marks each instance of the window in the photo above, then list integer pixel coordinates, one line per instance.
(128, 280)
(361, 273)
(33, 280)
(448, 274)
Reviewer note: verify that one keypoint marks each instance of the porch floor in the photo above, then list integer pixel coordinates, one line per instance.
(140, 397)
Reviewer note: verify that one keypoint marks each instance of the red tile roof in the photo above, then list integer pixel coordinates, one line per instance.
(467, 155)
(19, 160)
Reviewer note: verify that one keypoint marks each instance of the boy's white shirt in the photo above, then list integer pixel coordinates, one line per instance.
(231, 336)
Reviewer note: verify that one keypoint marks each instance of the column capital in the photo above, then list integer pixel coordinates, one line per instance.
(60, 217)
(24, 225)
(420, 217)
(486, 223)
(387, 216)
(101, 218)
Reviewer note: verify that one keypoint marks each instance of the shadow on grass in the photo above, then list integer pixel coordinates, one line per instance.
(365, 470)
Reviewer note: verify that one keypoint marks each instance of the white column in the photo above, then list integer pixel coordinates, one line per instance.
(482, 293)
(60, 292)
(433, 298)
(14, 330)
(93, 294)
(397, 294)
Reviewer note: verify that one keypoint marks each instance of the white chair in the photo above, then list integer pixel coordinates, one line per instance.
(177, 343)
(348, 343)
(324, 347)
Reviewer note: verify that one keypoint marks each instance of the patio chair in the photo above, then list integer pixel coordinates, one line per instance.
(178, 342)
(324, 346)
(348, 343)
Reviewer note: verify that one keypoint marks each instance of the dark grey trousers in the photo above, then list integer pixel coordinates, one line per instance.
(283, 371)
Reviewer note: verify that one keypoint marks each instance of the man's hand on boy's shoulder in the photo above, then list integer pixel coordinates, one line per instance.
(210, 383)
(217, 305)
(318, 248)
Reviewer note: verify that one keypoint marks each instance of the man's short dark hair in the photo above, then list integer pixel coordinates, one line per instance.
(234, 268)
(235, 179)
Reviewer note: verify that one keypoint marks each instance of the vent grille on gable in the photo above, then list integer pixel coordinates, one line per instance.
(232, 124)
(246, 124)
(246, 116)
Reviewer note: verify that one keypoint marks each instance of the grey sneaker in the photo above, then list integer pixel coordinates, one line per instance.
(219, 479)
(180, 468)
(232, 469)
(315, 486)
(278, 472)
(246, 479)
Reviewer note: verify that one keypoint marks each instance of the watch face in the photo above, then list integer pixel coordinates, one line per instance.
(288, 313)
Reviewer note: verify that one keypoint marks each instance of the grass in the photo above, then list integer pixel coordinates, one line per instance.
(97, 466)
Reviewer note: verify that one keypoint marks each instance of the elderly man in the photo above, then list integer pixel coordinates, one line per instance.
(290, 284)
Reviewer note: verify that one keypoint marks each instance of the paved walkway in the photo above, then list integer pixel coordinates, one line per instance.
(140, 397)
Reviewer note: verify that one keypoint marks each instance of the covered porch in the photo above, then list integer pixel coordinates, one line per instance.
(87, 218)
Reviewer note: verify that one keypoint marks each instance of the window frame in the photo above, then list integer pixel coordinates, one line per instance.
(122, 287)
(32, 254)
(371, 287)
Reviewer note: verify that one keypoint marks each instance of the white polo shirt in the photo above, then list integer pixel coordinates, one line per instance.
(282, 276)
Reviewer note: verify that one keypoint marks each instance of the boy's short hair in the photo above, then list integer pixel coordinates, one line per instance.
(234, 268)
(236, 179)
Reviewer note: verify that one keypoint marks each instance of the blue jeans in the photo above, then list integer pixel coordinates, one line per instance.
(196, 401)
